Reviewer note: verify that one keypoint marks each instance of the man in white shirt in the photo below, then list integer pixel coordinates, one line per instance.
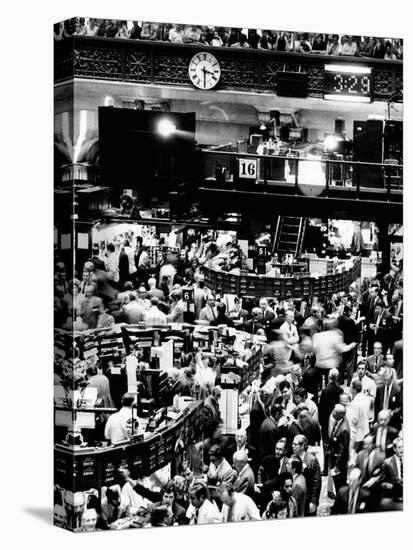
(289, 329)
(329, 345)
(236, 506)
(358, 416)
(155, 316)
(122, 425)
(201, 511)
(368, 386)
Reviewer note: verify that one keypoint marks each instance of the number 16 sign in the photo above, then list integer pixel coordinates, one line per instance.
(247, 168)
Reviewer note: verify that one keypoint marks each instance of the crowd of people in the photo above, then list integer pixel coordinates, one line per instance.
(284, 41)
(325, 418)
(118, 284)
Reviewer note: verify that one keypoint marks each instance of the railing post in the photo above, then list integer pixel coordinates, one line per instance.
(296, 164)
(388, 183)
(328, 176)
(234, 169)
(265, 168)
(356, 166)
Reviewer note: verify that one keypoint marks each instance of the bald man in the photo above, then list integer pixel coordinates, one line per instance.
(241, 444)
(245, 481)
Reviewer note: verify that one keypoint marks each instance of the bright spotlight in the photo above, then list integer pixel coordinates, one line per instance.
(331, 143)
(166, 127)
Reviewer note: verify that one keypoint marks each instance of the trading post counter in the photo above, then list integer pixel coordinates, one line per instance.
(297, 286)
(81, 469)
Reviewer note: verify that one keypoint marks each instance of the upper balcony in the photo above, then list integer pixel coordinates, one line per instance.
(245, 70)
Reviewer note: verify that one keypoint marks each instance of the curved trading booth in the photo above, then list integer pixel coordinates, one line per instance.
(303, 286)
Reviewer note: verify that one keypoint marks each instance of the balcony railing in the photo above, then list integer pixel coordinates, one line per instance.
(249, 70)
(322, 177)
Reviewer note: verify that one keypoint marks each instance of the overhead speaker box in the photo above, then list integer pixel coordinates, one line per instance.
(292, 84)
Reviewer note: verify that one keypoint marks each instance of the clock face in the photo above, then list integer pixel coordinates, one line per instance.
(204, 71)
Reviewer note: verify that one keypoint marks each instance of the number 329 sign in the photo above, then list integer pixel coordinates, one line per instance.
(247, 168)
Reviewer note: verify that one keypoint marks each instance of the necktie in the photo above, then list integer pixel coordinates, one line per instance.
(401, 469)
(376, 360)
(229, 517)
(351, 502)
(196, 516)
(386, 397)
(381, 439)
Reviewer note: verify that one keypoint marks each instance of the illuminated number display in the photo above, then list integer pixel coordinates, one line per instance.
(347, 83)
(247, 168)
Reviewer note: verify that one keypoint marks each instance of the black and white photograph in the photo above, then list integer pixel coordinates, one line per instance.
(228, 273)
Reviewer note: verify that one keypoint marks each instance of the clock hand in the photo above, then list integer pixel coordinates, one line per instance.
(204, 71)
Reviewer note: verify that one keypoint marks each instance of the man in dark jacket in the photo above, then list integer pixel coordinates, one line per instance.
(272, 429)
(311, 473)
(257, 416)
(351, 498)
(329, 397)
(350, 334)
(338, 447)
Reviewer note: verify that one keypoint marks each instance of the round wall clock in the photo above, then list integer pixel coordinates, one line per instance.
(204, 71)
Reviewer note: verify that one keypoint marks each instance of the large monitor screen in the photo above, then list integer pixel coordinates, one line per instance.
(140, 147)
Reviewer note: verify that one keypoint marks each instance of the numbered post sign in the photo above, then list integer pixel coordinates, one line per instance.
(247, 168)
(262, 256)
(188, 295)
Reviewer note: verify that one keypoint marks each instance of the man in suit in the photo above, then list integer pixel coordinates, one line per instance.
(97, 262)
(311, 472)
(370, 461)
(330, 396)
(299, 485)
(393, 469)
(383, 433)
(376, 361)
(275, 464)
(245, 481)
(350, 334)
(209, 312)
(219, 470)
(257, 416)
(380, 327)
(389, 397)
(351, 498)
(305, 425)
(253, 324)
(338, 447)
(267, 315)
(367, 307)
(211, 407)
(272, 429)
(201, 511)
(241, 444)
